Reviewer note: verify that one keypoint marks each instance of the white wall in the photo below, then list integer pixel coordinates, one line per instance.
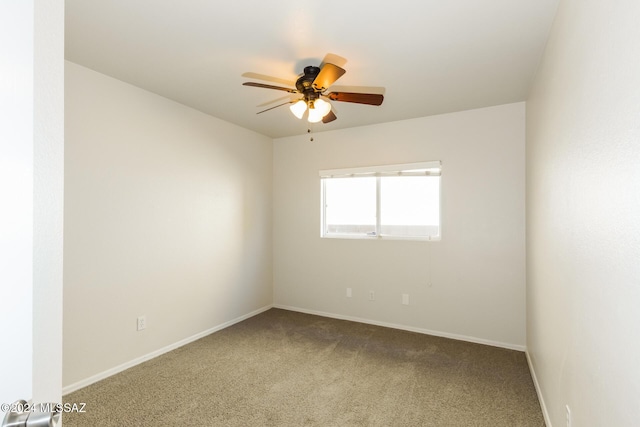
(48, 194)
(167, 214)
(31, 171)
(477, 270)
(583, 215)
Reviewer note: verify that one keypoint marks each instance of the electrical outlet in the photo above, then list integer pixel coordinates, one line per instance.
(405, 299)
(142, 323)
(372, 296)
(568, 413)
(348, 292)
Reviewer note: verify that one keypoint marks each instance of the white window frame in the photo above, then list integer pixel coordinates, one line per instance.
(430, 168)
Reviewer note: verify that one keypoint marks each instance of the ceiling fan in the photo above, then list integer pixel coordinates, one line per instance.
(312, 86)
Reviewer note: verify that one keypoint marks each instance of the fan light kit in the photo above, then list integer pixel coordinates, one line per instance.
(318, 109)
(313, 85)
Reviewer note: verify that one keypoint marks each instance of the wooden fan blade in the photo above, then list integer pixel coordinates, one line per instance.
(253, 84)
(358, 98)
(282, 98)
(327, 76)
(358, 89)
(279, 105)
(329, 117)
(271, 79)
(332, 58)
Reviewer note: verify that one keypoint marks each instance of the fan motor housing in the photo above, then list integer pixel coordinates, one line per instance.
(304, 83)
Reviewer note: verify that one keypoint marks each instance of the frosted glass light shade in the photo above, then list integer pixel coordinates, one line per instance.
(320, 109)
(315, 115)
(298, 108)
(323, 106)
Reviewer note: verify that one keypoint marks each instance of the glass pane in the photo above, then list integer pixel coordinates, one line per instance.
(410, 206)
(350, 205)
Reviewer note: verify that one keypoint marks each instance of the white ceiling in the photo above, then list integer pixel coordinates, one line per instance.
(431, 56)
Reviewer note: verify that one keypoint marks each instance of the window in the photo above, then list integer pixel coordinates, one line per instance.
(392, 201)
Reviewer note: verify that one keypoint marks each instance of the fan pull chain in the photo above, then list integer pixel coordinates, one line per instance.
(310, 136)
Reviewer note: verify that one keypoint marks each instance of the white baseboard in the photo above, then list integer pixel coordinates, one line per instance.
(406, 328)
(543, 406)
(109, 372)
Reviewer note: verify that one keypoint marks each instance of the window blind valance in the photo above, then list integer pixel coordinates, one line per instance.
(431, 168)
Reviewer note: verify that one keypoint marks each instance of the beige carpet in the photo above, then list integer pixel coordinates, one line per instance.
(282, 368)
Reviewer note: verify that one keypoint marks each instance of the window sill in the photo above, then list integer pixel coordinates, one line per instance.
(383, 237)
